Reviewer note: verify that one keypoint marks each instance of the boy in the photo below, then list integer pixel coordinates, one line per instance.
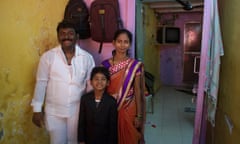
(98, 112)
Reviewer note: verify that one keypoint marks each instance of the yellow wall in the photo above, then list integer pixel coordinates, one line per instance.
(27, 29)
(151, 50)
(229, 92)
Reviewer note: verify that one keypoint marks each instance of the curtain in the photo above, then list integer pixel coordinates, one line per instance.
(215, 51)
(212, 50)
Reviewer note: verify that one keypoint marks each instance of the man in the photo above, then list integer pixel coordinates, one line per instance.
(62, 78)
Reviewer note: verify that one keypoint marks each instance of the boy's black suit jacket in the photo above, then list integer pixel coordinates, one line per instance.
(98, 125)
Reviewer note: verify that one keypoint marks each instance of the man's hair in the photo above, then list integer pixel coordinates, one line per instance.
(102, 70)
(66, 24)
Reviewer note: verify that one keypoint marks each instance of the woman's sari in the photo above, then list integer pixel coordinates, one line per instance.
(122, 88)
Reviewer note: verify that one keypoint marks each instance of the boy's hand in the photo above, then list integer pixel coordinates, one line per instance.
(38, 119)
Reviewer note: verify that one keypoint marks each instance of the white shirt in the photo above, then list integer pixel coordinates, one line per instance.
(60, 85)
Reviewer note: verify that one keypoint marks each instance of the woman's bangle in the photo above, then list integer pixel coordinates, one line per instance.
(139, 116)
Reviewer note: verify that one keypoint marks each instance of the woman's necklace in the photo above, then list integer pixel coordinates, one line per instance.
(114, 61)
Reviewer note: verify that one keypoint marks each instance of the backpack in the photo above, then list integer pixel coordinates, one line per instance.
(104, 20)
(77, 12)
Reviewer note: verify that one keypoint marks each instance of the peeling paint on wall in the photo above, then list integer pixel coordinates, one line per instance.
(1, 127)
(44, 41)
(26, 33)
(151, 51)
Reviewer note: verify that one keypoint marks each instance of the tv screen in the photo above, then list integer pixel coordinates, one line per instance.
(172, 35)
(168, 35)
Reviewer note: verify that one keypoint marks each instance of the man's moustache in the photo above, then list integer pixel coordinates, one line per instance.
(66, 39)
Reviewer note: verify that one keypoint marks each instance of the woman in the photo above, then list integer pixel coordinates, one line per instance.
(127, 86)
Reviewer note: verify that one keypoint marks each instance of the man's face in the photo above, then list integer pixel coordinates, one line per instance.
(67, 37)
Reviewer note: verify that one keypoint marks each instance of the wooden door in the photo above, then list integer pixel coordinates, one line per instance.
(192, 51)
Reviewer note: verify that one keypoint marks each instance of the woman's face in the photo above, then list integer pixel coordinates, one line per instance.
(122, 43)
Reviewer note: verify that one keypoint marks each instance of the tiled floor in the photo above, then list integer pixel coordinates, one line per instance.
(170, 123)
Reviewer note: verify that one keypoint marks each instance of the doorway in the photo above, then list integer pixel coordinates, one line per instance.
(172, 56)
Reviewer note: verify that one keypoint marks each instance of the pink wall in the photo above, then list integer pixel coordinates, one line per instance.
(127, 10)
(171, 56)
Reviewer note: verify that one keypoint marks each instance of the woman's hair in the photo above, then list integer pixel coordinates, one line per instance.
(102, 70)
(123, 31)
(119, 32)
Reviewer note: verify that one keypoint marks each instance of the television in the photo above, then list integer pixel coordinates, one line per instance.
(168, 35)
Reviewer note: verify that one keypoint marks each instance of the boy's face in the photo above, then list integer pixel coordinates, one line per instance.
(99, 82)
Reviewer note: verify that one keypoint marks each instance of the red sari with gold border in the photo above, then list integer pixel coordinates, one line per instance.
(122, 88)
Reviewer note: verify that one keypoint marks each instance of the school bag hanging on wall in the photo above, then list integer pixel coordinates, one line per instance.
(77, 12)
(104, 20)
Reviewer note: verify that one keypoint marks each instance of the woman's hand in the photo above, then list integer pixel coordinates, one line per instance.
(138, 122)
(139, 125)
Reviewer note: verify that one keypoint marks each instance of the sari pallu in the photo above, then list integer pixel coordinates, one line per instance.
(121, 87)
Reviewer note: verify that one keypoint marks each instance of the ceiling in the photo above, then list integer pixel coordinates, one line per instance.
(170, 6)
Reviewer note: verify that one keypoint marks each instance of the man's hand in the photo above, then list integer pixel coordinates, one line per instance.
(38, 119)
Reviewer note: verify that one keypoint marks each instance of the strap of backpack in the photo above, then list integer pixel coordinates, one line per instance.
(102, 14)
(100, 47)
(120, 22)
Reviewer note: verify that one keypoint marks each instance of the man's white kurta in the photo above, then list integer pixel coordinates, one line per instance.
(61, 85)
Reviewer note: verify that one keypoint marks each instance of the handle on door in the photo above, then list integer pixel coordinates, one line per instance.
(195, 64)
